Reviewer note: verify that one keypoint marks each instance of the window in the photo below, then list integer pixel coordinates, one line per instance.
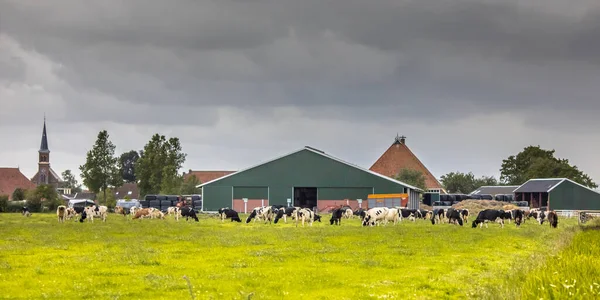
(43, 178)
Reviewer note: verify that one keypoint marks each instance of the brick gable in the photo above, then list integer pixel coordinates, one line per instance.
(11, 179)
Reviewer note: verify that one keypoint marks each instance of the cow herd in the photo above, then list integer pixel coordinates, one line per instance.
(371, 217)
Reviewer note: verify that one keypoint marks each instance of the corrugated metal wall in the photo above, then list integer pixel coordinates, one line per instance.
(414, 199)
(570, 196)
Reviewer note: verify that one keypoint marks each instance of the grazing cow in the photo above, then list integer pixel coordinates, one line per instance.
(305, 215)
(423, 214)
(157, 214)
(435, 216)
(336, 216)
(188, 212)
(517, 215)
(489, 215)
(407, 213)
(375, 216)
(95, 211)
(465, 215)
(71, 213)
(285, 213)
(259, 213)
(227, 213)
(141, 213)
(61, 212)
(553, 219)
(173, 210)
(348, 213)
(25, 211)
(133, 210)
(359, 213)
(392, 215)
(317, 217)
(454, 216)
(506, 215)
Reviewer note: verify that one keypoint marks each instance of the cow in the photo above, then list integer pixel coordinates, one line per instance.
(359, 213)
(188, 212)
(304, 215)
(285, 213)
(553, 219)
(133, 210)
(157, 214)
(141, 213)
(423, 214)
(348, 213)
(261, 212)
(465, 215)
(454, 216)
(336, 216)
(227, 213)
(435, 216)
(317, 217)
(95, 211)
(488, 215)
(71, 213)
(61, 213)
(375, 216)
(173, 210)
(392, 215)
(407, 213)
(517, 215)
(25, 211)
(506, 215)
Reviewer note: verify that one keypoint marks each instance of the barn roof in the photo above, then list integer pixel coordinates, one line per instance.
(207, 176)
(397, 157)
(322, 153)
(11, 179)
(546, 185)
(494, 190)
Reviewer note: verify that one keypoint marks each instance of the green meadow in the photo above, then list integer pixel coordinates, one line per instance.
(164, 259)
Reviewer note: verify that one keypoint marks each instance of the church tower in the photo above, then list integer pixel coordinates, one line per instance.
(43, 159)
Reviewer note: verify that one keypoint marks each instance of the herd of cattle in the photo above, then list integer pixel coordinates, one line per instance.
(371, 217)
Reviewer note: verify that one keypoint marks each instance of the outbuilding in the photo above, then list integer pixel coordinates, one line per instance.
(307, 177)
(560, 194)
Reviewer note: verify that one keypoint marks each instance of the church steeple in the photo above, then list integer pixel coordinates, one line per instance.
(44, 144)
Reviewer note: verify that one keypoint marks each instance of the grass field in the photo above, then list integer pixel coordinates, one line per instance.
(124, 259)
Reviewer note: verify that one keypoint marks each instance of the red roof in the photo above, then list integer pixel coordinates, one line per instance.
(206, 176)
(398, 157)
(11, 179)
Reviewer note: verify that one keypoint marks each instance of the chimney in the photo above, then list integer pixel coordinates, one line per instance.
(403, 140)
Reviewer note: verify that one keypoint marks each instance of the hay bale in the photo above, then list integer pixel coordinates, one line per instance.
(475, 206)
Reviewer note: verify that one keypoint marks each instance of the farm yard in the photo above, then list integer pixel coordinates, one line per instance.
(124, 259)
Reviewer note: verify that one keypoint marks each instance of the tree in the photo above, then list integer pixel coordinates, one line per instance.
(412, 177)
(3, 203)
(127, 162)
(189, 186)
(110, 200)
(19, 194)
(535, 162)
(101, 169)
(71, 182)
(158, 165)
(457, 182)
(44, 194)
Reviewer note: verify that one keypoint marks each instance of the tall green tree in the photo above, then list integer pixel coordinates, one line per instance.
(71, 182)
(189, 186)
(101, 169)
(19, 194)
(412, 177)
(458, 182)
(535, 162)
(158, 166)
(127, 162)
(44, 194)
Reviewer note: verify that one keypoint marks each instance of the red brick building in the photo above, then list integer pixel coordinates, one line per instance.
(11, 179)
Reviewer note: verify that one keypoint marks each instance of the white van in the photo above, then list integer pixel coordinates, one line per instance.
(127, 204)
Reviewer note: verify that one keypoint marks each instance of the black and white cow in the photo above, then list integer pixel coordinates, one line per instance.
(553, 219)
(423, 214)
(261, 213)
(285, 213)
(465, 215)
(336, 216)
(506, 215)
(537, 214)
(435, 216)
(188, 212)
(517, 215)
(375, 216)
(407, 213)
(488, 215)
(25, 211)
(304, 215)
(227, 213)
(454, 216)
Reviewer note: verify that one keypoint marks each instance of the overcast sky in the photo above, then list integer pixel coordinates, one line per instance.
(239, 82)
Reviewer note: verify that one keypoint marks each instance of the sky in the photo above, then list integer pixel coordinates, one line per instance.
(239, 82)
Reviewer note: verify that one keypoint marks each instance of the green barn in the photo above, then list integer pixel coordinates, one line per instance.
(559, 194)
(307, 177)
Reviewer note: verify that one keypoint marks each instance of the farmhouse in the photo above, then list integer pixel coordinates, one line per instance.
(11, 179)
(397, 157)
(558, 194)
(308, 177)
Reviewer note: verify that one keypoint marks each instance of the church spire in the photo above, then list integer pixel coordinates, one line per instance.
(44, 144)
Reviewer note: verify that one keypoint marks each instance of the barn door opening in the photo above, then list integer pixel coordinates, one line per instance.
(305, 197)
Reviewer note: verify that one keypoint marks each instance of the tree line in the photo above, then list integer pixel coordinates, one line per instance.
(532, 162)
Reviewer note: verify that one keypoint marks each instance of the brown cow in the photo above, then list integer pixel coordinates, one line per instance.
(142, 213)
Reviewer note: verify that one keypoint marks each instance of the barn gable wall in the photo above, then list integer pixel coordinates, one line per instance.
(570, 196)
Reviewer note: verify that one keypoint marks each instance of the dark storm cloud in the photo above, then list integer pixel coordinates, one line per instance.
(463, 57)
